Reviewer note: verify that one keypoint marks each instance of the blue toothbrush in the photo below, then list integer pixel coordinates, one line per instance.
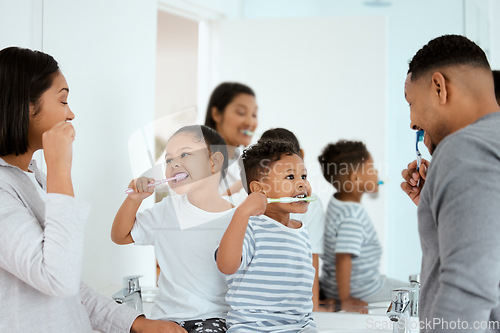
(420, 138)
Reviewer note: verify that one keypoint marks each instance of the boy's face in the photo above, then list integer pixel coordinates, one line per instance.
(287, 177)
(368, 177)
(184, 154)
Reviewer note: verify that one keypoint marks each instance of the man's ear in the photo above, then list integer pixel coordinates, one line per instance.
(217, 160)
(256, 186)
(439, 87)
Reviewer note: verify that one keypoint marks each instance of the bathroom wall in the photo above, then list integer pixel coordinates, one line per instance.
(23, 22)
(494, 24)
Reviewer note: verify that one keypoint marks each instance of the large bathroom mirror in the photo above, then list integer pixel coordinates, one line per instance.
(325, 69)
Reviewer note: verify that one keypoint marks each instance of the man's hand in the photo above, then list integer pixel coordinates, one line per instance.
(412, 177)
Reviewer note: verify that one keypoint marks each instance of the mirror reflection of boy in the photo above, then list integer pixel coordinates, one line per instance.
(265, 254)
(352, 249)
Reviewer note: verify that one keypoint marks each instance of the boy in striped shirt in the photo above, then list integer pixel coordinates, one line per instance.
(352, 250)
(267, 258)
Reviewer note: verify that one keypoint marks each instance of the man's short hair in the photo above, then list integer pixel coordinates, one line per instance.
(444, 51)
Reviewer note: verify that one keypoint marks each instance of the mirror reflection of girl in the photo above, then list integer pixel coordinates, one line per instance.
(42, 223)
(232, 112)
(352, 249)
(191, 289)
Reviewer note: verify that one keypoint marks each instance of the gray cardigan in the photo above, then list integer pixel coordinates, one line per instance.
(41, 251)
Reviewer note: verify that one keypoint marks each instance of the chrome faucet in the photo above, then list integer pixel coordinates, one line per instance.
(404, 305)
(414, 292)
(131, 293)
(399, 310)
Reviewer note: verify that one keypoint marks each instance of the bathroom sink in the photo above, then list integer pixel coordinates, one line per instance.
(330, 322)
(349, 322)
(379, 308)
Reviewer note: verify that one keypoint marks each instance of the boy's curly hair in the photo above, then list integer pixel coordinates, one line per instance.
(339, 159)
(258, 158)
(282, 134)
(447, 50)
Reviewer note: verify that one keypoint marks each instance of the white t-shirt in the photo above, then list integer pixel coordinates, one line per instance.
(233, 174)
(314, 221)
(190, 285)
(39, 188)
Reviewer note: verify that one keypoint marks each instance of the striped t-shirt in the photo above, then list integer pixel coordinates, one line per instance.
(272, 289)
(348, 229)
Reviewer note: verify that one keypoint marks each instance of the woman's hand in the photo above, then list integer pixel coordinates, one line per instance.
(141, 188)
(57, 145)
(411, 177)
(143, 325)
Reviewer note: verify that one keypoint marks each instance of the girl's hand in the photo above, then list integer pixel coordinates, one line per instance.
(254, 204)
(141, 189)
(411, 177)
(57, 145)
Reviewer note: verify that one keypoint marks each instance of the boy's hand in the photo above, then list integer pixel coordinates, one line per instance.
(141, 189)
(352, 304)
(411, 177)
(254, 204)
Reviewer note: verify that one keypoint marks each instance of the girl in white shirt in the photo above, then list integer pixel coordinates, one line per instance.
(185, 230)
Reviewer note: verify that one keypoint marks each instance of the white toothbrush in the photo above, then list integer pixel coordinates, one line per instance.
(290, 199)
(178, 177)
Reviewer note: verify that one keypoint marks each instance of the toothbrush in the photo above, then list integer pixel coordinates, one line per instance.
(177, 177)
(290, 199)
(247, 132)
(420, 138)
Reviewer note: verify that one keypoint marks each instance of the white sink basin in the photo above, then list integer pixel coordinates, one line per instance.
(331, 322)
(340, 322)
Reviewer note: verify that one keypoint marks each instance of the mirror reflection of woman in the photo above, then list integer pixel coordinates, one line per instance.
(42, 224)
(232, 111)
